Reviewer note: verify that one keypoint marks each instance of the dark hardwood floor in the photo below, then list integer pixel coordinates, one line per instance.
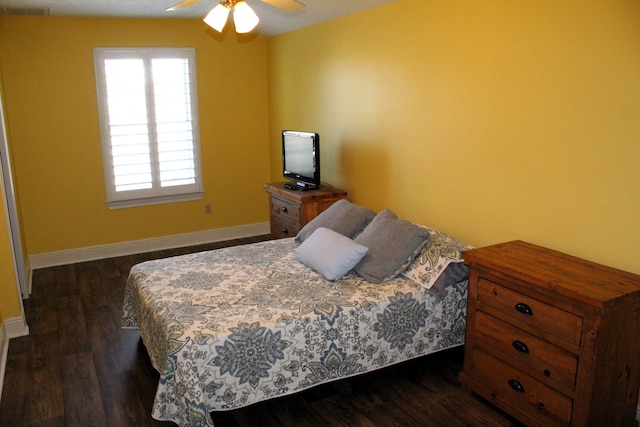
(77, 367)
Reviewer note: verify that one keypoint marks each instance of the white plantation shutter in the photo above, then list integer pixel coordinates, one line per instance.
(148, 118)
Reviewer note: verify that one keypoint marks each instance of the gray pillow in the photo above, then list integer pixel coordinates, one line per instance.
(329, 253)
(392, 243)
(342, 217)
(454, 273)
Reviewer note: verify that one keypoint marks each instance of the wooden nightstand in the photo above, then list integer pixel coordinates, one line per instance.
(552, 339)
(292, 209)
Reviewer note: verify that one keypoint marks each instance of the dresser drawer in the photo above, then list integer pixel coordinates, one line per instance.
(285, 209)
(546, 359)
(538, 314)
(281, 227)
(521, 391)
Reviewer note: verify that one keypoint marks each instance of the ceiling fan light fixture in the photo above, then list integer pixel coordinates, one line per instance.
(217, 18)
(244, 17)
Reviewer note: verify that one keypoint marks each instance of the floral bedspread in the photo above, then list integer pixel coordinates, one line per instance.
(234, 326)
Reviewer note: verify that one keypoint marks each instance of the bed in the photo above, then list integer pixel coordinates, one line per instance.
(234, 326)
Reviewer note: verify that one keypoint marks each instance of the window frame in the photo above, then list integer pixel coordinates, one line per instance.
(157, 194)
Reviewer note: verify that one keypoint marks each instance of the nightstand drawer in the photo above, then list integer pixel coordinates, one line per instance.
(285, 209)
(507, 341)
(280, 227)
(538, 314)
(290, 210)
(521, 391)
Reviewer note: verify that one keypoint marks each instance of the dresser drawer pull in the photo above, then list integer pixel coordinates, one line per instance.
(524, 309)
(515, 384)
(520, 346)
(284, 209)
(285, 231)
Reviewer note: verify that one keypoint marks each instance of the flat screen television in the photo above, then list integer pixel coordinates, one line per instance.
(301, 159)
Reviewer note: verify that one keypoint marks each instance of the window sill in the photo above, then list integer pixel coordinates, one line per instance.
(132, 203)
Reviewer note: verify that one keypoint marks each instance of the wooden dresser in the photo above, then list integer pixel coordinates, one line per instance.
(551, 339)
(292, 209)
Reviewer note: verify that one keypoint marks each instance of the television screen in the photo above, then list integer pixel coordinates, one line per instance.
(301, 158)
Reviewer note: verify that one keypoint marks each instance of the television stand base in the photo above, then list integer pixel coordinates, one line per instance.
(299, 187)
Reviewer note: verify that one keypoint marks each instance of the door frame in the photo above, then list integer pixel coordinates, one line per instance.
(12, 209)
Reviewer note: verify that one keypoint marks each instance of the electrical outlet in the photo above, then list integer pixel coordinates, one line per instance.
(207, 209)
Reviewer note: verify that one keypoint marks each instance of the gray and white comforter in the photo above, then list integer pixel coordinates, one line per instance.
(234, 326)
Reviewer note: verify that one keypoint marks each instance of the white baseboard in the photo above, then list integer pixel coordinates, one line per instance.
(91, 253)
(16, 327)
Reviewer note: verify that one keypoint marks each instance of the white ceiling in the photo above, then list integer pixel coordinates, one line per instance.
(272, 21)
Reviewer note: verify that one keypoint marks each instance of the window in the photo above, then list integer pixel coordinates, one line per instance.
(149, 125)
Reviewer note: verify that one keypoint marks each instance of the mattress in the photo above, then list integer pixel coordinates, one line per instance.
(234, 326)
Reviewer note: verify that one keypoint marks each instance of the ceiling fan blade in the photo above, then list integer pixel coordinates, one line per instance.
(288, 5)
(183, 4)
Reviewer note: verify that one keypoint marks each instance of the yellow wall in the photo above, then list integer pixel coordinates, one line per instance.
(51, 108)
(492, 120)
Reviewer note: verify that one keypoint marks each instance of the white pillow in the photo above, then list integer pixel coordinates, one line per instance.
(329, 253)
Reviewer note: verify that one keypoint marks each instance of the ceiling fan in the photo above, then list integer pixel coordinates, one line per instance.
(244, 17)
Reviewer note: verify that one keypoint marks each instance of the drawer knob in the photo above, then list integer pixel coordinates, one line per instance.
(515, 384)
(524, 309)
(284, 209)
(285, 231)
(520, 346)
